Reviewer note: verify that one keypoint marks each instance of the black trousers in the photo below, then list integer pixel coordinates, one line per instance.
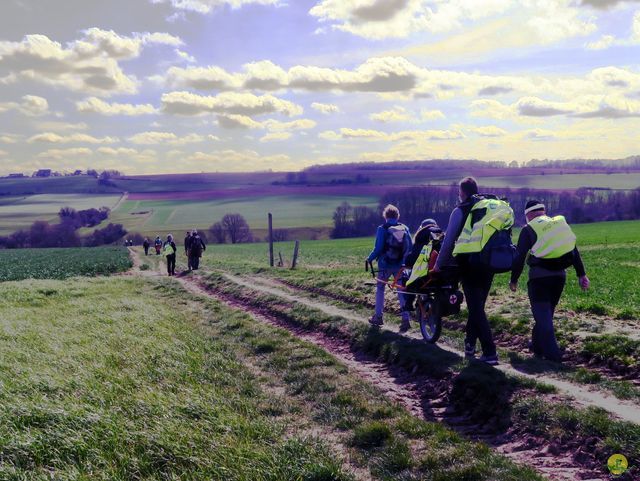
(195, 262)
(476, 285)
(171, 264)
(544, 295)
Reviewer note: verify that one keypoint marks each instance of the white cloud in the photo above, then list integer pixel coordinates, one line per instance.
(397, 114)
(169, 138)
(368, 134)
(10, 138)
(635, 29)
(544, 21)
(276, 136)
(31, 106)
(89, 64)
(299, 124)
(207, 6)
(231, 121)
(98, 106)
(325, 108)
(602, 43)
(431, 115)
(202, 78)
(58, 126)
(60, 154)
(3, 153)
(53, 138)
(490, 131)
(186, 103)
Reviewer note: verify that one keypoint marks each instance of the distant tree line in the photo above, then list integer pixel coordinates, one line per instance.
(417, 203)
(42, 234)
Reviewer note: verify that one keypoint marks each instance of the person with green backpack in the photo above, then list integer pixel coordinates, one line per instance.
(478, 242)
(393, 244)
(169, 250)
(549, 244)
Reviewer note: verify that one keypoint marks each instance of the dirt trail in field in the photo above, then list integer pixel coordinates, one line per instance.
(624, 410)
(422, 396)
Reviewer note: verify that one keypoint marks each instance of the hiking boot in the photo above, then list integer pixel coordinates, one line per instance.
(406, 322)
(491, 360)
(469, 351)
(376, 320)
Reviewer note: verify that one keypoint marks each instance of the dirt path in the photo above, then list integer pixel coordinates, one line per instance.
(421, 396)
(621, 409)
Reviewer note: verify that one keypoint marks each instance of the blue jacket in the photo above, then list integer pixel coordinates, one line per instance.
(379, 249)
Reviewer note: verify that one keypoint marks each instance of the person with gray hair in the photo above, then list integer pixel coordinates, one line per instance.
(393, 243)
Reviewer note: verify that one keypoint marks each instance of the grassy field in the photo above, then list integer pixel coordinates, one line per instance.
(19, 212)
(18, 264)
(134, 378)
(163, 216)
(121, 379)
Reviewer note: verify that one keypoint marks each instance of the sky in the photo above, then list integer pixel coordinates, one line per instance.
(161, 86)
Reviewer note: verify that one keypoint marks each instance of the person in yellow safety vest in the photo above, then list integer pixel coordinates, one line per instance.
(169, 249)
(426, 245)
(476, 281)
(550, 245)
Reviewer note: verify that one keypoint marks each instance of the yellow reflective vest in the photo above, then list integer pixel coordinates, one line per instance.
(421, 267)
(555, 237)
(498, 216)
(169, 250)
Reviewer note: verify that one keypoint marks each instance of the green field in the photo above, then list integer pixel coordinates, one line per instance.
(19, 212)
(18, 264)
(137, 378)
(150, 217)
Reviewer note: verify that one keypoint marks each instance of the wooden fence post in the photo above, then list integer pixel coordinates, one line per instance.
(270, 240)
(295, 255)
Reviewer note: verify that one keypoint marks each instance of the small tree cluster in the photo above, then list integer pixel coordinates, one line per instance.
(83, 218)
(109, 235)
(233, 228)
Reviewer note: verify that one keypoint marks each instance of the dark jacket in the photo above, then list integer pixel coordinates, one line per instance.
(454, 228)
(187, 243)
(197, 246)
(539, 268)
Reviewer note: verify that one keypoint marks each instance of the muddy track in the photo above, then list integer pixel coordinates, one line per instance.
(609, 368)
(433, 399)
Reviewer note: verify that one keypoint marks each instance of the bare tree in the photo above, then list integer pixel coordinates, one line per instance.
(218, 233)
(237, 228)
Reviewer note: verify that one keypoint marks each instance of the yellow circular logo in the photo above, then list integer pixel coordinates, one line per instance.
(617, 464)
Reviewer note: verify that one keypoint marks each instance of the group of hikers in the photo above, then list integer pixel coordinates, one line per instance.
(194, 247)
(477, 239)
